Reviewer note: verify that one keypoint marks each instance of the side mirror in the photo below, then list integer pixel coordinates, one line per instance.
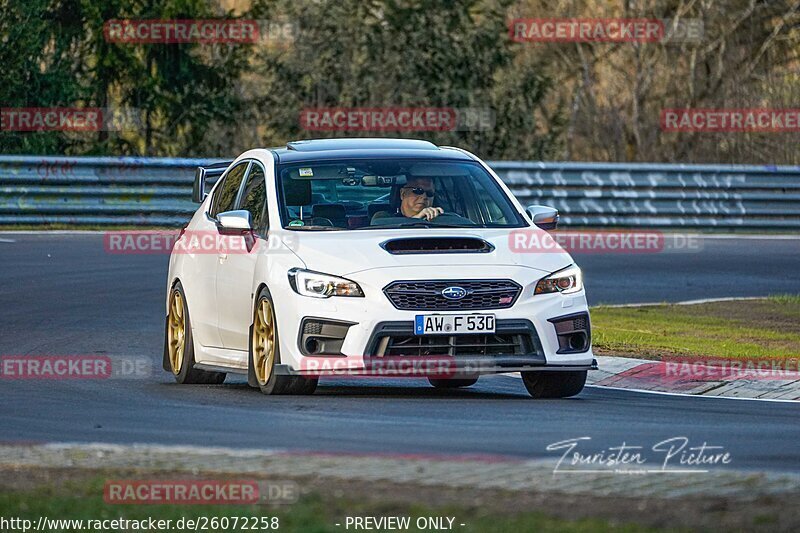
(543, 216)
(234, 222)
(214, 170)
(199, 186)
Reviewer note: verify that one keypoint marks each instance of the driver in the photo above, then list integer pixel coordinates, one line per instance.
(416, 200)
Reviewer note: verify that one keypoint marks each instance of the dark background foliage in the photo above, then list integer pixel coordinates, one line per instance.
(577, 101)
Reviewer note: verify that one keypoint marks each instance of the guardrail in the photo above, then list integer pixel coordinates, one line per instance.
(100, 191)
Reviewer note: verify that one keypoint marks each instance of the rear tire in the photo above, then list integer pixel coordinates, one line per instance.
(444, 383)
(554, 384)
(179, 344)
(264, 353)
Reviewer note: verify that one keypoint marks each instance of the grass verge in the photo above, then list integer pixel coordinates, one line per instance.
(314, 512)
(745, 329)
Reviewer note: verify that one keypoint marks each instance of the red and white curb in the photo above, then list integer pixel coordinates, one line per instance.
(645, 375)
(690, 378)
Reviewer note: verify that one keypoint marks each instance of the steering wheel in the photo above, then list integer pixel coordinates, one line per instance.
(452, 218)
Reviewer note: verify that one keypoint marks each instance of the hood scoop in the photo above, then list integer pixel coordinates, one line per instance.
(437, 245)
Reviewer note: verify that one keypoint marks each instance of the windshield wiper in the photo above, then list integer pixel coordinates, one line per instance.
(313, 228)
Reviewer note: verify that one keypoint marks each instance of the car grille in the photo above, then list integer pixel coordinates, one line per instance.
(427, 295)
(455, 345)
(513, 337)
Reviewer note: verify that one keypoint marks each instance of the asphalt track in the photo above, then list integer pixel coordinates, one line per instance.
(62, 294)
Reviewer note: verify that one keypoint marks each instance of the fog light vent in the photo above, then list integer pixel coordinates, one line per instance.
(573, 332)
(312, 328)
(320, 336)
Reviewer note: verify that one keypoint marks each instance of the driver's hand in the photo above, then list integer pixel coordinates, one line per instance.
(429, 213)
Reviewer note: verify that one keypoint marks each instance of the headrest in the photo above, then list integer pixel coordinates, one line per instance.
(374, 208)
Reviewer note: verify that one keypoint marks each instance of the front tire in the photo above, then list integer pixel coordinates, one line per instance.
(554, 384)
(444, 383)
(179, 344)
(265, 353)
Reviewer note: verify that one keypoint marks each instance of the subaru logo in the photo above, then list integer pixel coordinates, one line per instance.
(454, 293)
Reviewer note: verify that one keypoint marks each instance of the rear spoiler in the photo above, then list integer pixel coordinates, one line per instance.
(214, 170)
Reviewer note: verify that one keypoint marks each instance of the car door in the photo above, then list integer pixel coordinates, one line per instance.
(205, 258)
(237, 269)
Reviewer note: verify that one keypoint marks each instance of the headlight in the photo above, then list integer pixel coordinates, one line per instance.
(319, 285)
(565, 281)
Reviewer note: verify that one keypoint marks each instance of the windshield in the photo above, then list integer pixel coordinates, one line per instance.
(371, 194)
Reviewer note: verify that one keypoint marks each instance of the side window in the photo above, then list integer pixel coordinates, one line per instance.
(254, 197)
(225, 194)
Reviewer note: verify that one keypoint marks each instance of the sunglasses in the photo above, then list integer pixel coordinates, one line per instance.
(419, 191)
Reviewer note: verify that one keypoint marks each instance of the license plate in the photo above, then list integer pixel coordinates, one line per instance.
(453, 324)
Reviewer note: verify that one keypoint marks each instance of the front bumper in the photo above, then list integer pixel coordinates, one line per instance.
(469, 366)
(367, 320)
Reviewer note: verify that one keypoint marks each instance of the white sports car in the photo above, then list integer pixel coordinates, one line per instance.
(370, 257)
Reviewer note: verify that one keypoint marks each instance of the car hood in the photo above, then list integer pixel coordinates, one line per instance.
(347, 252)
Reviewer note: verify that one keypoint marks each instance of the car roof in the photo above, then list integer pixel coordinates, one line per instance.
(364, 148)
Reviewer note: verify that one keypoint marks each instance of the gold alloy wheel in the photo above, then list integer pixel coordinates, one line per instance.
(263, 341)
(176, 331)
